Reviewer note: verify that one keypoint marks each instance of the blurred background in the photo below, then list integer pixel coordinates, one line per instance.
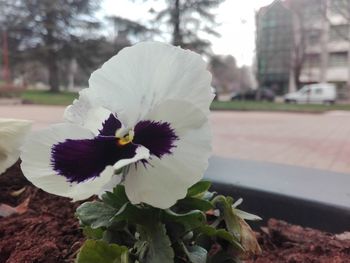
(55, 45)
(281, 69)
(256, 49)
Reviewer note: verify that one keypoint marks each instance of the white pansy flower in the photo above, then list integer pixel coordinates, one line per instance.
(146, 111)
(12, 133)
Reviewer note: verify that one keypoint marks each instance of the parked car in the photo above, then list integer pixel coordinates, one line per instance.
(314, 93)
(251, 95)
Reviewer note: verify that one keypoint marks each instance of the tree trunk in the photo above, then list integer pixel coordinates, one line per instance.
(51, 54)
(297, 73)
(53, 71)
(177, 37)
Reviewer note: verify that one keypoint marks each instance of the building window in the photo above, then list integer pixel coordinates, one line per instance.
(338, 59)
(339, 32)
(340, 7)
(311, 10)
(313, 37)
(312, 60)
(269, 22)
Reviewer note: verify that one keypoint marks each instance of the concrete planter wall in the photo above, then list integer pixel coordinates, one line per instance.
(307, 197)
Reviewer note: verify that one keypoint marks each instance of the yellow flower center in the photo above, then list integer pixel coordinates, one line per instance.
(127, 138)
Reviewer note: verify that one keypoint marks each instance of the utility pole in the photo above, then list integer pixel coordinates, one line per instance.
(177, 34)
(5, 55)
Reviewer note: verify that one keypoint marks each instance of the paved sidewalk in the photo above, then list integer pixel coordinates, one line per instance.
(41, 115)
(309, 140)
(319, 141)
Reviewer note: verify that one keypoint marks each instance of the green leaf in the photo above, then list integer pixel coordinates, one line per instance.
(196, 254)
(158, 244)
(93, 233)
(118, 233)
(195, 204)
(222, 234)
(231, 219)
(198, 189)
(117, 198)
(95, 214)
(190, 220)
(97, 251)
(135, 215)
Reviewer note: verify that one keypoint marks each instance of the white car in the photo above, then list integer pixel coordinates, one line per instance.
(314, 93)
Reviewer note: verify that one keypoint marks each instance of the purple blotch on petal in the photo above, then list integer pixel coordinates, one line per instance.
(80, 160)
(158, 137)
(110, 126)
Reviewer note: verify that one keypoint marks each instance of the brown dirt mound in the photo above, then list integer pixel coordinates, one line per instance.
(283, 242)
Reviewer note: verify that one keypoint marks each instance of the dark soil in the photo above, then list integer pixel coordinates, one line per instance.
(48, 232)
(283, 242)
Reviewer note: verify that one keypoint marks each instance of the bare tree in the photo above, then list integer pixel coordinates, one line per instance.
(304, 22)
(48, 27)
(299, 43)
(186, 19)
(226, 74)
(130, 27)
(340, 8)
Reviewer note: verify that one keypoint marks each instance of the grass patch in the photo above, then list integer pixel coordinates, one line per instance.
(66, 98)
(271, 106)
(47, 98)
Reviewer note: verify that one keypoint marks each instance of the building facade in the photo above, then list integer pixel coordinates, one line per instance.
(304, 41)
(273, 46)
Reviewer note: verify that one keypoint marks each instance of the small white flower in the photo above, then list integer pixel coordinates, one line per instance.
(12, 133)
(146, 111)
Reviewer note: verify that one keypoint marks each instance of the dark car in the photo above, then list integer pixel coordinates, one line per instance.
(252, 95)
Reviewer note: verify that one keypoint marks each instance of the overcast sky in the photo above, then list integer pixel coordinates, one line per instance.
(236, 17)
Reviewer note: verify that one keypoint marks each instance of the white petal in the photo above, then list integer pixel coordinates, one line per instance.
(115, 180)
(83, 113)
(12, 134)
(36, 160)
(166, 180)
(95, 118)
(76, 113)
(237, 203)
(181, 115)
(246, 216)
(131, 83)
(142, 153)
(171, 176)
